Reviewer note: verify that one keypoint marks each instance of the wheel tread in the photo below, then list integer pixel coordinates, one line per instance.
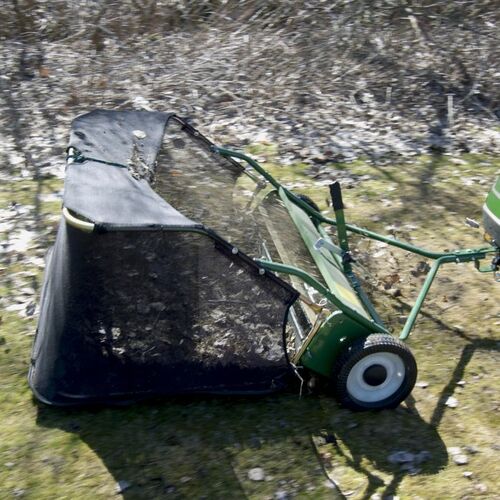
(357, 351)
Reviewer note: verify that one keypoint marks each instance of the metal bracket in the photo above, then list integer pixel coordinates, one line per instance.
(322, 243)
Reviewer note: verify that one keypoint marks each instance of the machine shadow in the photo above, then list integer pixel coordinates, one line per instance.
(388, 444)
(206, 445)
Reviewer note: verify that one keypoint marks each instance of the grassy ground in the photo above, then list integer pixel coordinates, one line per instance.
(204, 448)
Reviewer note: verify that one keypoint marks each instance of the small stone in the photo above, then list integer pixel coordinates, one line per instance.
(18, 492)
(16, 159)
(281, 495)
(422, 385)
(460, 459)
(421, 268)
(471, 450)
(451, 402)
(256, 474)
(379, 253)
(410, 468)
(472, 223)
(468, 474)
(401, 457)
(320, 441)
(9, 465)
(481, 488)
(30, 309)
(139, 134)
(454, 450)
(122, 486)
(461, 383)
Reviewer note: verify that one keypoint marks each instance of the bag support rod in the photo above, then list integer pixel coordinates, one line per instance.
(458, 256)
(481, 252)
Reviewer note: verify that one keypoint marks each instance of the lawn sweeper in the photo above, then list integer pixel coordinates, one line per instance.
(183, 267)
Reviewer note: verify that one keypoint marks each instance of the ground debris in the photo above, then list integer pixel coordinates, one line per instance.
(400, 457)
(460, 459)
(122, 486)
(256, 474)
(422, 385)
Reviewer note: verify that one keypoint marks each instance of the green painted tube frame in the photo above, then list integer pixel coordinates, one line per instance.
(313, 282)
(458, 256)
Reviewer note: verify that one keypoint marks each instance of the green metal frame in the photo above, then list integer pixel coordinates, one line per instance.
(349, 322)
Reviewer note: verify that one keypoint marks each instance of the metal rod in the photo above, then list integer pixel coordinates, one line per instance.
(350, 227)
(465, 255)
(338, 207)
(457, 257)
(293, 315)
(314, 283)
(410, 321)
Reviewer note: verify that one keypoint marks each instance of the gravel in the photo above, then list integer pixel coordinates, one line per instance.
(422, 385)
(256, 474)
(355, 86)
(461, 459)
(122, 486)
(454, 450)
(281, 495)
(409, 462)
(400, 457)
(451, 402)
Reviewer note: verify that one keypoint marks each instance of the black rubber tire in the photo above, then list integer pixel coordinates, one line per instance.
(308, 200)
(359, 385)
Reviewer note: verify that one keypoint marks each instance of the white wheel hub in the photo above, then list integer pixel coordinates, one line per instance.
(376, 377)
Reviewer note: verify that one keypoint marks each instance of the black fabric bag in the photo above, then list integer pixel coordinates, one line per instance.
(150, 302)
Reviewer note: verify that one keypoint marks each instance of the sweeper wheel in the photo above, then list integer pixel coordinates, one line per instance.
(374, 373)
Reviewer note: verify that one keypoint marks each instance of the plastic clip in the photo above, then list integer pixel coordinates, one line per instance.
(322, 243)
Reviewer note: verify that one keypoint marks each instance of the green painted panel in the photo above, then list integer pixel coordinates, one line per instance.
(328, 264)
(493, 199)
(335, 333)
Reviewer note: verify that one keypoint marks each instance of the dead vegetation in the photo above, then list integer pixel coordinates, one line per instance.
(329, 81)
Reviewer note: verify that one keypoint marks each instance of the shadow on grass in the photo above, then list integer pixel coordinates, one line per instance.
(432, 195)
(471, 346)
(489, 345)
(204, 447)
